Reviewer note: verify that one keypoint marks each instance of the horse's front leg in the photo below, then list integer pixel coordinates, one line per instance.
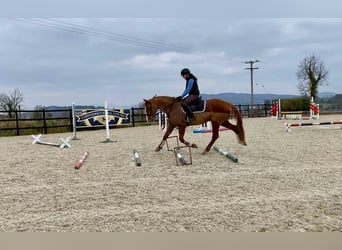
(215, 135)
(181, 132)
(166, 135)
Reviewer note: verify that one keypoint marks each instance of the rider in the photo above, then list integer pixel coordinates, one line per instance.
(190, 94)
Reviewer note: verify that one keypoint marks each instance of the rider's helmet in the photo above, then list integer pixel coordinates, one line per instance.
(185, 71)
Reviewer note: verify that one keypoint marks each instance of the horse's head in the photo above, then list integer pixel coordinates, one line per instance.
(151, 110)
(164, 103)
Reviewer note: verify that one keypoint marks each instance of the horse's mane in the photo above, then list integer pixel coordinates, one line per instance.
(163, 102)
(164, 99)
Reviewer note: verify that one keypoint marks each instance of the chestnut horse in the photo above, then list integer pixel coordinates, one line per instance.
(217, 111)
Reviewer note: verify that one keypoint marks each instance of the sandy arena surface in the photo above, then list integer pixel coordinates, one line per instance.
(283, 182)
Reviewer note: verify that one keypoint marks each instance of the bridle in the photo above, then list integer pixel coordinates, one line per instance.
(149, 110)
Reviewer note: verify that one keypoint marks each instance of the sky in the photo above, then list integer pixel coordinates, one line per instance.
(58, 61)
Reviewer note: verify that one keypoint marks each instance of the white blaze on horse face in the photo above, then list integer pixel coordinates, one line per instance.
(148, 111)
(149, 118)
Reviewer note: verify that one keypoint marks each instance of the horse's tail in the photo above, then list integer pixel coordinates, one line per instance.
(238, 128)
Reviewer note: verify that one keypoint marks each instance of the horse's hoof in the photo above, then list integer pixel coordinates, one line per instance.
(194, 145)
(157, 149)
(205, 152)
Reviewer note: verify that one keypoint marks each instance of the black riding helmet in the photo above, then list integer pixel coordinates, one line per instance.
(185, 71)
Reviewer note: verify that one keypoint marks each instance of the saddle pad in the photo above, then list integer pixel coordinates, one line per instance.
(198, 107)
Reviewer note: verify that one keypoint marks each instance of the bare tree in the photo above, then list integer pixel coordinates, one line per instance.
(311, 74)
(11, 102)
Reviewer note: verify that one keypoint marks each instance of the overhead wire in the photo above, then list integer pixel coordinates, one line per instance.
(80, 31)
(125, 37)
(88, 31)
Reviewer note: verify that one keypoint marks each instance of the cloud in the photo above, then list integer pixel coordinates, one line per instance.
(278, 51)
(159, 61)
(53, 66)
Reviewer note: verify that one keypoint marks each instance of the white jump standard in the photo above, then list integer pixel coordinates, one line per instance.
(64, 144)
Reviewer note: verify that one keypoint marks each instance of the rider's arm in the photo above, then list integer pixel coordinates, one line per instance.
(187, 90)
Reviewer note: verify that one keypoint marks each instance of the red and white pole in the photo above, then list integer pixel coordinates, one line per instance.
(82, 160)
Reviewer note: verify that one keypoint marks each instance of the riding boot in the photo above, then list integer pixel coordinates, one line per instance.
(189, 114)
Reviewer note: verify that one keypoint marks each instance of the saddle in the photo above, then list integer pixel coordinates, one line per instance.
(198, 107)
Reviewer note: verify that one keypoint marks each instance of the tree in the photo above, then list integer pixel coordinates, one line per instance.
(11, 102)
(311, 74)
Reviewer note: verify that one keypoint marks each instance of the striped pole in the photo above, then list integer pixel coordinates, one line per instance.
(203, 131)
(226, 154)
(136, 158)
(82, 160)
(300, 124)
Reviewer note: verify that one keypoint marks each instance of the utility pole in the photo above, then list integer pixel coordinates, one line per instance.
(251, 68)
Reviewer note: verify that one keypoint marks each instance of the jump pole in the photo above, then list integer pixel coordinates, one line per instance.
(64, 144)
(136, 158)
(203, 131)
(82, 160)
(226, 154)
(179, 157)
(299, 124)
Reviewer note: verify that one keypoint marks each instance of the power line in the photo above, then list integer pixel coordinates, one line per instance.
(122, 36)
(88, 31)
(82, 31)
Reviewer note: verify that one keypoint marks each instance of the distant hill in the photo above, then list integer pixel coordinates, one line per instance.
(326, 94)
(242, 98)
(235, 98)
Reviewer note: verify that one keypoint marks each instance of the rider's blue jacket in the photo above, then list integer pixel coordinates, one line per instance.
(191, 88)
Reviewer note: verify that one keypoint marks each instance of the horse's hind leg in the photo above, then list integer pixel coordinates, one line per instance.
(215, 135)
(233, 127)
(236, 130)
